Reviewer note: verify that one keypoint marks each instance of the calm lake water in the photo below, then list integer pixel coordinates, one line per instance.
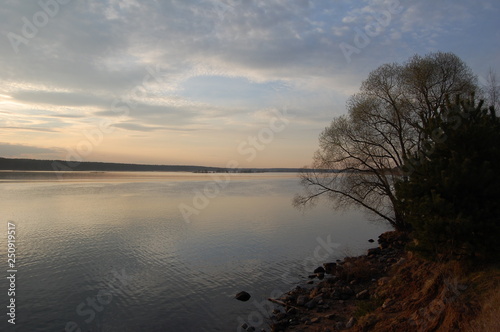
(116, 251)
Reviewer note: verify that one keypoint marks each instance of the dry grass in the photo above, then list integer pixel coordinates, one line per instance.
(357, 269)
(487, 286)
(489, 317)
(431, 296)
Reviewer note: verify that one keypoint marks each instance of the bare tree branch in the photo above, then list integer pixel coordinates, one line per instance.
(366, 149)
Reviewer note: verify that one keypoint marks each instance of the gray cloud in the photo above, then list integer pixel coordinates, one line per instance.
(59, 98)
(139, 127)
(136, 127)
(107, 45)
(92, 53)
(65, 116)
(44, 130)
(19, 150)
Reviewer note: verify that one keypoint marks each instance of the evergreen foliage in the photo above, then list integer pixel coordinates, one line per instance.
(450, 193)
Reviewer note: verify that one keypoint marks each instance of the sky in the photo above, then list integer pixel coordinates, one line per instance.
(247, 83)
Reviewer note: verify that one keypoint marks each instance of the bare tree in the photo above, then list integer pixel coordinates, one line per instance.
(492, 90)
(362, 154)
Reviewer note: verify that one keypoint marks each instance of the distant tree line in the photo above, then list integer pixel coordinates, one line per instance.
(13, 164)
(59, 165)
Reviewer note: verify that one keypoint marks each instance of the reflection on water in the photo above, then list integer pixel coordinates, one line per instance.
(72, 176)
(112, 251)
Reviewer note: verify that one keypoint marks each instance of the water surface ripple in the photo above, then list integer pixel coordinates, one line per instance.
(122, 241)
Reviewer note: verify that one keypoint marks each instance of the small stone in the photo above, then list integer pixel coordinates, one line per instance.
(302, 299)
(363, 295)
(401, 261)
(331, 280)
(330, 268)
(311, 276)
(315, 320)
(311, 304)
(325, 290)
(387, 303)
(369, 322)
(319, 297)
(350, 323)
(242, 296)
(383, 281)
(346, 290)
(280, 316)
(319, 269)
(314, 292)
(371, 240)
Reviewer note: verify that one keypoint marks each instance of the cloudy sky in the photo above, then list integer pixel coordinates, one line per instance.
(209, 81)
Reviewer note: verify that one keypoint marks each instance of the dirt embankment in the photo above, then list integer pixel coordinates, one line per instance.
(389, 289)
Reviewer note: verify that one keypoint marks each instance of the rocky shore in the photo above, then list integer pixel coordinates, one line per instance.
(390, 289)
(332, 304)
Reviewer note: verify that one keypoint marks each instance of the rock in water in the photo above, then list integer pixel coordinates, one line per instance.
(242, 296)
(330, 268)
(319, 270)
